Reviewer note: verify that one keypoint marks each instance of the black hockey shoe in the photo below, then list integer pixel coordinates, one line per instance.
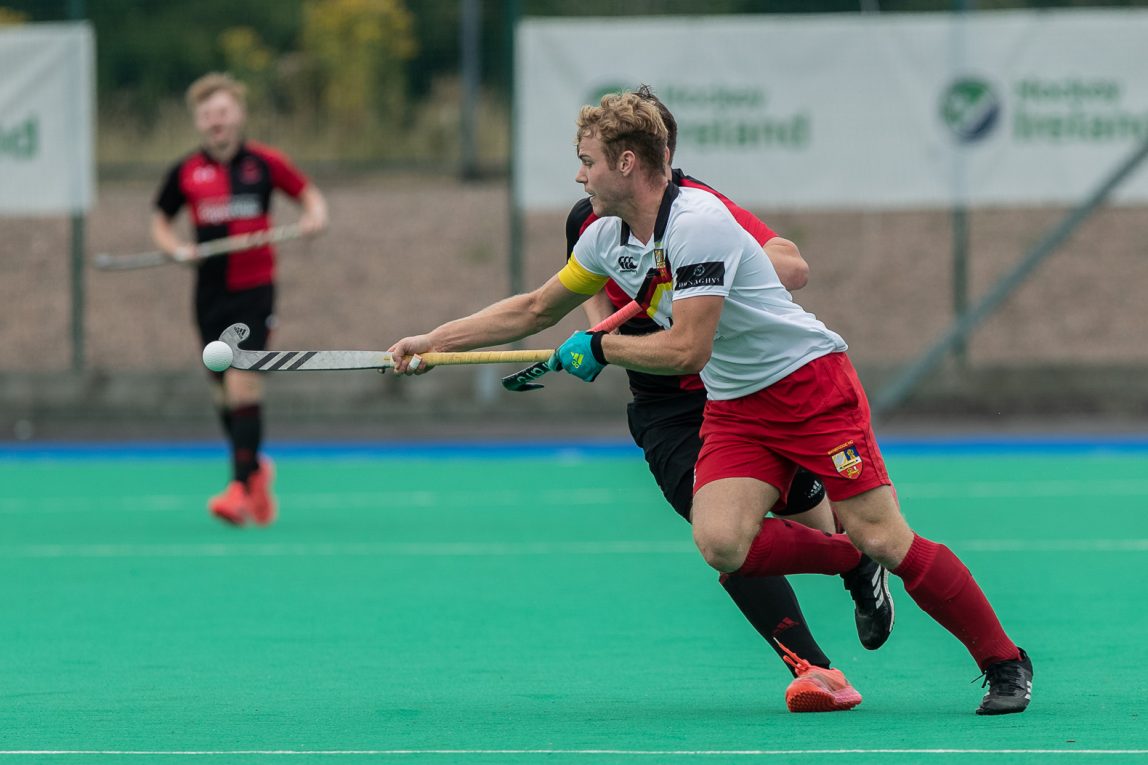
(868, 584)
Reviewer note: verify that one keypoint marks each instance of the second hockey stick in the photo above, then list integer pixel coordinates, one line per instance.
(107, 262)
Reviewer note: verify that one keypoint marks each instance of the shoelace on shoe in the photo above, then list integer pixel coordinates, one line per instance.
(1004, 677)
(800, 665)
(860, 586)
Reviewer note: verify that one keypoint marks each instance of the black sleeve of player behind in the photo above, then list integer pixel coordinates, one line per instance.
(576, 223)
(169, 200)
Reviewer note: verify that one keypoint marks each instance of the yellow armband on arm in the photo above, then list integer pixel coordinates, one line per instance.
(576, 278)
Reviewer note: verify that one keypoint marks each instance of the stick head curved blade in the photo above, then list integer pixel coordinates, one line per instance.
(521, 380)
(518, 386)
(235, 334)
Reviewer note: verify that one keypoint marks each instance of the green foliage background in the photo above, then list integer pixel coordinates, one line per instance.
(347, 79)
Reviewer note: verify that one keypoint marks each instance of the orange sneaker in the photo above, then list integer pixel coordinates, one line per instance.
(259, 490)
(816, 689)
(232, 505)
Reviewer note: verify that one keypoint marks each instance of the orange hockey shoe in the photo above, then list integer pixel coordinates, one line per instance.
(816, 689)
(232, 505)
(262, 504)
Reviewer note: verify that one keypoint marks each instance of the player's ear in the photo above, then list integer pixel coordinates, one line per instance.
(626, 162)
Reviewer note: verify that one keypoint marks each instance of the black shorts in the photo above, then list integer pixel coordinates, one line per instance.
(667, 429)
(216, 310)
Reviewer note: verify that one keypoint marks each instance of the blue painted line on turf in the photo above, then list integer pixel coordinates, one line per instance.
(971, 446)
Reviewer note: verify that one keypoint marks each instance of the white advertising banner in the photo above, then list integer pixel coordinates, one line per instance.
(46, 105)
(852, 111)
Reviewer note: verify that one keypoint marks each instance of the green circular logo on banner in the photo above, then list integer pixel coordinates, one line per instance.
(970, 108)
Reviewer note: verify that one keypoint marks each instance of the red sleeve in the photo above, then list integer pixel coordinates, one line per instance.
(747, 220)
(284, 175)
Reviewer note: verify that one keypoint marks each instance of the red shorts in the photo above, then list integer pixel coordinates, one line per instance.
(816, 418)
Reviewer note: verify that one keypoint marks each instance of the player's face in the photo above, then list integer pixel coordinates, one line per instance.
(602, 183)
(219, 120)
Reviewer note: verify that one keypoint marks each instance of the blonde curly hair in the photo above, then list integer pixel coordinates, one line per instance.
(626, 122)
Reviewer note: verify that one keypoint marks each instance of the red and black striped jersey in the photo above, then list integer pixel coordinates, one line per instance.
(229, 199)
(643, 384)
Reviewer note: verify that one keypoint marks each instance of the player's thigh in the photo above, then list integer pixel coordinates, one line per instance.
(805, 493)
(727, 515)
(738, 477)
(667, 432)
(819, 517)
(242, 387)
(874, 522)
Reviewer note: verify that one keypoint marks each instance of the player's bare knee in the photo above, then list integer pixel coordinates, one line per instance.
(722, 552)
(881, 543)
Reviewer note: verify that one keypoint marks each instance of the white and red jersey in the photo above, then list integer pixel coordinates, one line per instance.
(763, 335)
(646, 387)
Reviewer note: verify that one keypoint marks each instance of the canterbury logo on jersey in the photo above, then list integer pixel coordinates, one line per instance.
(627, 263)
(700, 275)
(239, 207)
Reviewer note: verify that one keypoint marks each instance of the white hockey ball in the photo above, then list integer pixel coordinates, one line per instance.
(217, 356)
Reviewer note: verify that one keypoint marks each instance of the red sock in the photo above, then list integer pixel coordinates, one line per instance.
(784, 547)
(944, 589)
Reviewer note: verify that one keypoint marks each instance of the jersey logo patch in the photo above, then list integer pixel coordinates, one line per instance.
(846, 460)
(250, 172)
(204, 174)
(700, 275)
(660, 259)
(627, 263)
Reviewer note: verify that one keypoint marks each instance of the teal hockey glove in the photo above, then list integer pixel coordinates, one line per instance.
(581, 356)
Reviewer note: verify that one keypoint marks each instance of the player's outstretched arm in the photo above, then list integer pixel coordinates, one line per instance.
(505, 321)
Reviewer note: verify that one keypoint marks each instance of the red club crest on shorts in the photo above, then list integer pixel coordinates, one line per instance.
(846, 460)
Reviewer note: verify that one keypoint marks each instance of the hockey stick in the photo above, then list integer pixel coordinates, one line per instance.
(522, 379)
(107, 262)
(307, 361)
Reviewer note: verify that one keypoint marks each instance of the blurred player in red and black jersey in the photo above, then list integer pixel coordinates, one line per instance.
(665, 417)
(227, 186)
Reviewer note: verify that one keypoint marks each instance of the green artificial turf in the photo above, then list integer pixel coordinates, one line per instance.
(485, 610)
